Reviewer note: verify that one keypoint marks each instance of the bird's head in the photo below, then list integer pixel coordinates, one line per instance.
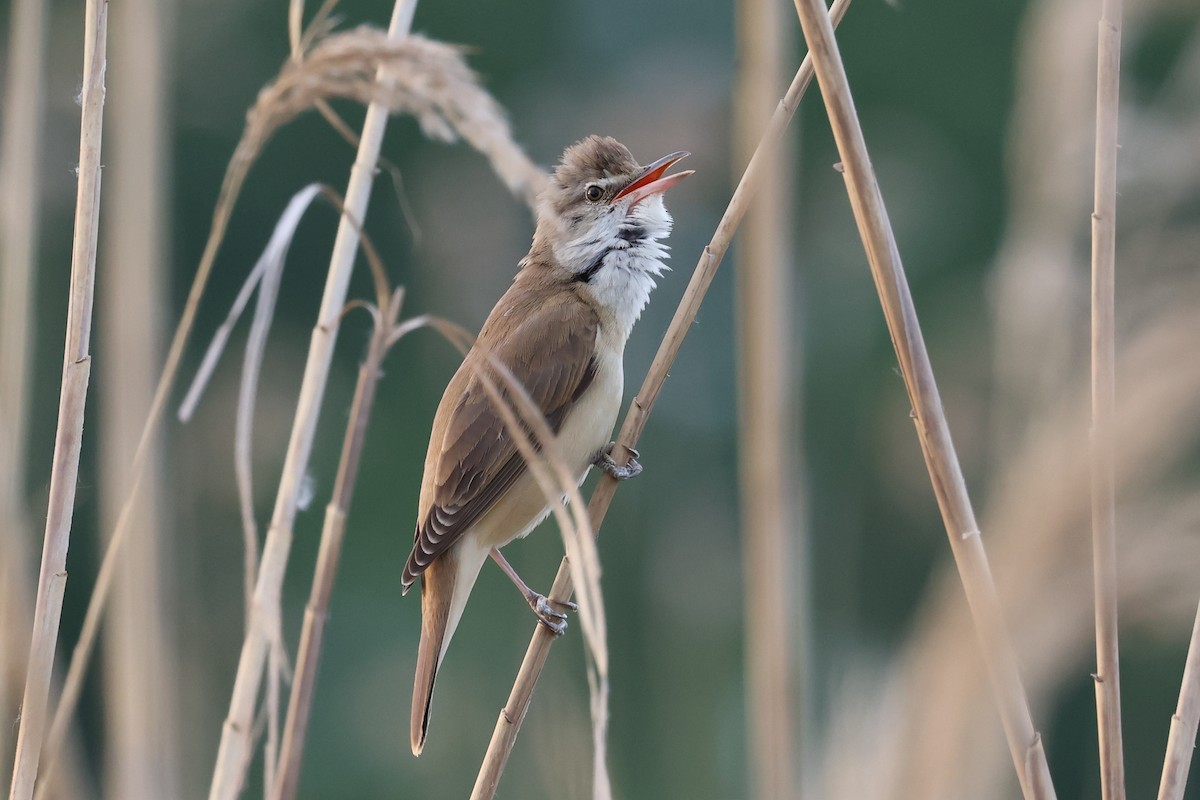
(602, 214)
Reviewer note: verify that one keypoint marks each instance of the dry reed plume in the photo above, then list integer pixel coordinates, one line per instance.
(421, 77)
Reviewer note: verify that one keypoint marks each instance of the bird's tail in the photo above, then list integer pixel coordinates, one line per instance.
(445, 586)
(429, 655)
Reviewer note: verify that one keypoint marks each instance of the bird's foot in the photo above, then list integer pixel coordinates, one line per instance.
(631, 469)
(544, 608)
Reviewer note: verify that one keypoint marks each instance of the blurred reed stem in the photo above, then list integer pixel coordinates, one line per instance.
(73, 395)
(1025, 745)
(20, 217)
(1035, 283)
(1181, 741)
(140, 690)
(512, 715)
(766, 342)
(1104, 525)
(264, 632)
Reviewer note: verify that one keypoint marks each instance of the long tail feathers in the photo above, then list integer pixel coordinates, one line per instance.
(445, 586)
(436, 590)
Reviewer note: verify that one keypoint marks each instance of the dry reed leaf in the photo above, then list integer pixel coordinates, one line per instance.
(266, 276)
(270, 262)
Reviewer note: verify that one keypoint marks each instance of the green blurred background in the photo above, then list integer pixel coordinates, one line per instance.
(938, 86)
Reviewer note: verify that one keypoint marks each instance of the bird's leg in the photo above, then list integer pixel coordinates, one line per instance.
(542, 606)
(604, 461)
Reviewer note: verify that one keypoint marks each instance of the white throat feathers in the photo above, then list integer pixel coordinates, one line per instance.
(619, 256)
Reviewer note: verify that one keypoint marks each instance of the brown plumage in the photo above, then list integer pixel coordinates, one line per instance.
(546, 338)
(561, 330)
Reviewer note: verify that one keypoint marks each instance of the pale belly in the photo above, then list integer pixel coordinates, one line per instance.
(585, 431)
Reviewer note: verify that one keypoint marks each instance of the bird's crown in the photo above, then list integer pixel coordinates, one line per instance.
(594, 161)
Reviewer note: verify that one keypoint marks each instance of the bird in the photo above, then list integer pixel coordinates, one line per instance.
(560, 329)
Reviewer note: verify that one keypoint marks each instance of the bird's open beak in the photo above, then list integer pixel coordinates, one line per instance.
(652, 181)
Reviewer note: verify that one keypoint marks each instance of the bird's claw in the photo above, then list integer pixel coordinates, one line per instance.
(631, 469)
(548, 615)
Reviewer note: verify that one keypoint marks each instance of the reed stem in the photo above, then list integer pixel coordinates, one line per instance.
(933, 431)
(1104, 525)
(333, 533)
(68, 437)
(1181, 742)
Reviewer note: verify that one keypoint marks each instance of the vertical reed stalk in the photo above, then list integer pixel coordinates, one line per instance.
(233, 755)
(1181, 742)
(333, 533)
(1104, 525)
(508, 725)
(141, 752)
(765, 342)
(73, 394)
(932, 429)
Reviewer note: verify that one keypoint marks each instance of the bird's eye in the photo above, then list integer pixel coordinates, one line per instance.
(593, 193)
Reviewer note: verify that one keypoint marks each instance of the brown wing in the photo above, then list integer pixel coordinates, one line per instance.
(551, 352)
